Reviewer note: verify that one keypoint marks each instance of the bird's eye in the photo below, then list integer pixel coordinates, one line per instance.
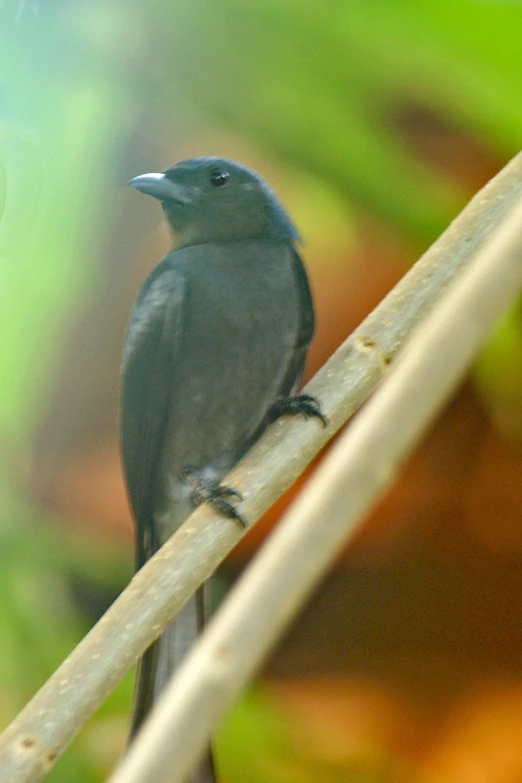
(219, 177)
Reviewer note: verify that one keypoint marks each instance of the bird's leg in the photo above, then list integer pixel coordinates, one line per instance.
(219, 496)
(303, 404)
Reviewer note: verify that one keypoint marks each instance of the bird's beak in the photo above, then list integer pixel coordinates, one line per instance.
(161, 187)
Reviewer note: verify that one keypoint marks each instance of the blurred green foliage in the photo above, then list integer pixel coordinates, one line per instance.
(42, 563)
(258, 745)
(318, 88)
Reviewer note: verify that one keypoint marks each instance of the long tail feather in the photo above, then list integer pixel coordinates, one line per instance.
(161, 660)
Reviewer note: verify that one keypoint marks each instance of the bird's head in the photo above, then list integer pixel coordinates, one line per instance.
(216, 200)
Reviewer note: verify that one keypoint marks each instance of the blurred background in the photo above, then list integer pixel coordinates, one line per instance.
(375, 122)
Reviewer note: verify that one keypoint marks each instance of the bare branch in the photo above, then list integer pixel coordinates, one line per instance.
(47, 724)
(350, 479)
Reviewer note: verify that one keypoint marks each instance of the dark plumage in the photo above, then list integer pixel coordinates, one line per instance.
(218, 334)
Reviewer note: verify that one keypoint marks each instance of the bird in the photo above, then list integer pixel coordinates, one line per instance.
(214, 352)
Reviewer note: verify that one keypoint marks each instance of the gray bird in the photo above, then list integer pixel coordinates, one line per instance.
(214, 351)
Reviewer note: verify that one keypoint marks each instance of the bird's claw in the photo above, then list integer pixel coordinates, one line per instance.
(223, 491)
(214, 494)
(227, 509)
(303, 404)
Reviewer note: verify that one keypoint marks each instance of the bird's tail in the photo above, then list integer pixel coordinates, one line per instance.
(160, 661)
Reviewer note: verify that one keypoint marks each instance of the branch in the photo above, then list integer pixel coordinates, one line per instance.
(47, 724)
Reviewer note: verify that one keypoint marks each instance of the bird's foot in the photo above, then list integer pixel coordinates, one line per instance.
(219, 496)
(303, 404)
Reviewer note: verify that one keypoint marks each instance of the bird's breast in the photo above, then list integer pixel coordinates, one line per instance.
(239, 328)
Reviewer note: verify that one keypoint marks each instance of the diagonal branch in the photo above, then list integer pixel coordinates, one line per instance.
(47, 724)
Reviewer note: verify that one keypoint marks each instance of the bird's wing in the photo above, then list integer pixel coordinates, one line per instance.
(149, 360)
(294, 375)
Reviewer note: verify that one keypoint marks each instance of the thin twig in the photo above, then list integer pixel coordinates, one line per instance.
(47, 724)
(349, 481)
